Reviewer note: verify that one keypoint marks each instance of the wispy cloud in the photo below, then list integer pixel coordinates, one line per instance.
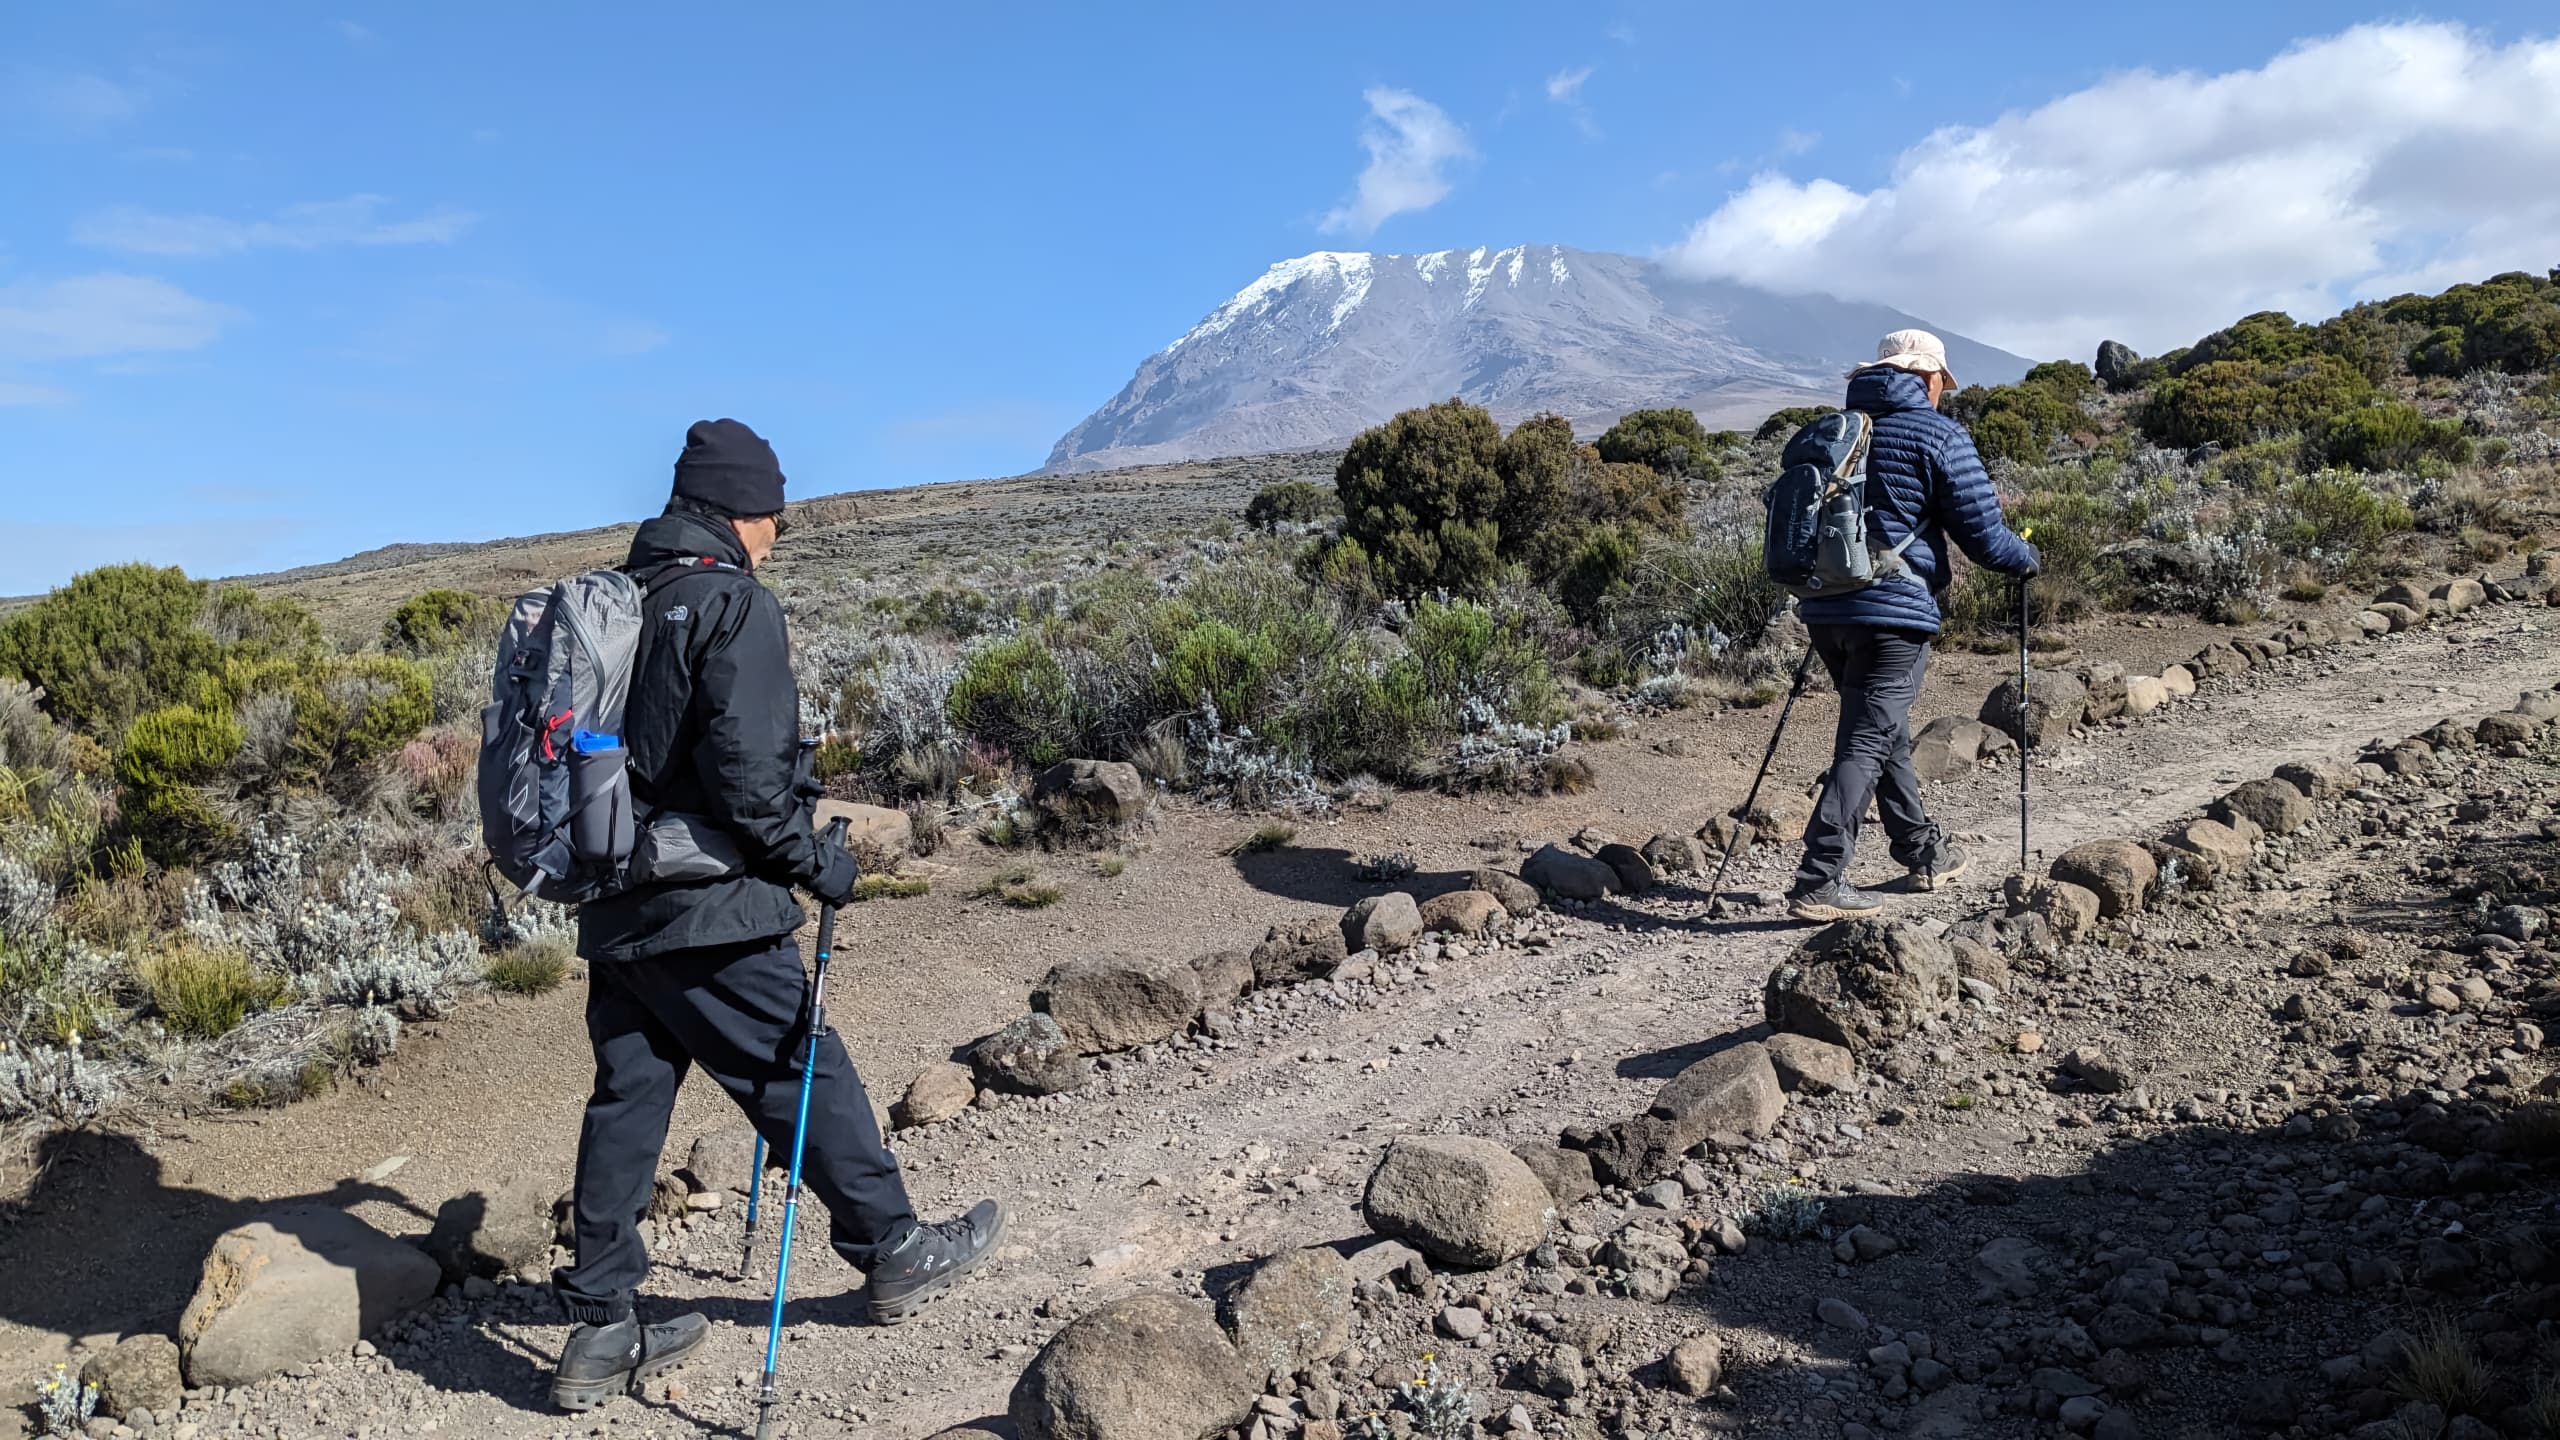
(1565, 88)
(1797, 142)
(99, 317)
(354, 33)
(1622, 33)
(72, 102)
(19, 393)
(2379, 160)
(447, 320)
(1411, 143)
(313, 225)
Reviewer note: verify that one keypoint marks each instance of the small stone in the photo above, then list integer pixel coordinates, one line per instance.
(1461, 1322)
(1839, 1314)
(1695, 1366)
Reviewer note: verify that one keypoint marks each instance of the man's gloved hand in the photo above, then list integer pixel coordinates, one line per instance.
(838, 872)
(2035, 563)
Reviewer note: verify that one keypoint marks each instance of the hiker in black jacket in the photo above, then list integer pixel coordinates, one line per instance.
(706, 972)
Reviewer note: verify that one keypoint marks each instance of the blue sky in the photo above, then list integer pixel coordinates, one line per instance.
(282, 282)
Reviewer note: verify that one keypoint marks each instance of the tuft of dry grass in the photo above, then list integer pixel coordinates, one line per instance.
(891, 887)
(534, 968)
(204, 993)
(1110, 865)
(1267, 836)
(1022, 887)
(2443, 1368)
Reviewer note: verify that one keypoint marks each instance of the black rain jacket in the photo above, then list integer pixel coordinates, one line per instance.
(713, 724)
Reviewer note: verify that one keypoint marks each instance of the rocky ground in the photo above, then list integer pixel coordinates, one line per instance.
(2252, 1151)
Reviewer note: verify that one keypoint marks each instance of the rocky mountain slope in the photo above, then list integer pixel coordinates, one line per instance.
(1325, 345)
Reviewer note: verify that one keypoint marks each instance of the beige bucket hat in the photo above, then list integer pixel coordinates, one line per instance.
(1917, 351)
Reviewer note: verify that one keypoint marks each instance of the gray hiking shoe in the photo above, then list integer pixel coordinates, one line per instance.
(1943, 865)
(602, 1361)
(1838, 900)
(930, 1260)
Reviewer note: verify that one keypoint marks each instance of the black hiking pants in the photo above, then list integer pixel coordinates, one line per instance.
(741, 1013)
(1878, 674)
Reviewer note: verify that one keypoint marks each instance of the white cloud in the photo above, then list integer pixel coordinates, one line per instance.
(1566, 85)
(2153, 208)
(71, 101)
(98, 317)
(1797, 142)
(313, 225)
(353, 32)
(14, 392)
(1410, 143)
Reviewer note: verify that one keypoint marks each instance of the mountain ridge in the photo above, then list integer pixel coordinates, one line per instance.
(1324, 345)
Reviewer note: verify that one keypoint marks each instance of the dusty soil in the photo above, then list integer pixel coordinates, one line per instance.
(1193, 1158)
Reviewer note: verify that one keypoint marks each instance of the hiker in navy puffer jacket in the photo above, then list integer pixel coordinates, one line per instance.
(1925, 483)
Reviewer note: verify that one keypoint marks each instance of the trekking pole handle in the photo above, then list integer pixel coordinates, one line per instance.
(833, 835)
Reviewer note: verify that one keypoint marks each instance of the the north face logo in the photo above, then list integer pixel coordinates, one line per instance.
(677, 615)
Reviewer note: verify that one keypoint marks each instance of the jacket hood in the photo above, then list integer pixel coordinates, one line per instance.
(682, 537)
(1882, 390)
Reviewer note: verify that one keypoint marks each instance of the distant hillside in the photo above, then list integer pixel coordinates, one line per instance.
(1326, 345)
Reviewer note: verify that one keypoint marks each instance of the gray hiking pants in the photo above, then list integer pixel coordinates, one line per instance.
(1878, 674)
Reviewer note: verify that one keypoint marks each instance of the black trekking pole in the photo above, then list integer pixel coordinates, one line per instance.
(767, 1395)
(1733, 832)
(2025, 585)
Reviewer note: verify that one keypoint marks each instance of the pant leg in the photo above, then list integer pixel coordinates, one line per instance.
(1831, 836)
(639, 1067)
(1902, 665)
(742, 1013)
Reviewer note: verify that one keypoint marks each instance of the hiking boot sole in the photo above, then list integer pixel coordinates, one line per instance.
(1937, 879)
(906, 1307)
(1813, 910)
(579, 1396)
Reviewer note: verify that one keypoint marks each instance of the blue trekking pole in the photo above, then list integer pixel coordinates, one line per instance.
(767, 1395)
(755, 1195)
(755, 1170)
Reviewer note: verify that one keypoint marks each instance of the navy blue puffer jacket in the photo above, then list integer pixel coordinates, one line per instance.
(1923, 475)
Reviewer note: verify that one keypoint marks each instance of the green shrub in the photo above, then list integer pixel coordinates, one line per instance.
(891, 887)
(1716, 589)
(1420, 494)
(113, 643)
(2389, 435)
(1536, 462)
(2339, 519)
(1788, 421)
(351, 712)
(1601, 570)
(251, 626)
(1217, 661)
(169, 756)
(2234, 402)
(1014, 694)
(204, 994)
(1291, 502)
(2508, 322)
(1670, 440)
(1020, 886)
(433, 622)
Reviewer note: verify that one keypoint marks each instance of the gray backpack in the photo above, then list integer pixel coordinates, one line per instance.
(1817, 542)
(556, 808)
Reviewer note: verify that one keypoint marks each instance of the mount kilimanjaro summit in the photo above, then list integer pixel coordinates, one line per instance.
(1323, 346)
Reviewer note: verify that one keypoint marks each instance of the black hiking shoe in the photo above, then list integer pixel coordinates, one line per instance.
(930, 1261)
(1943, 865)
(602, 1361)
(1838, 900)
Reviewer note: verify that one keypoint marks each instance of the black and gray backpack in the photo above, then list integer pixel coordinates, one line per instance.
(1818, 542)
(556, 807)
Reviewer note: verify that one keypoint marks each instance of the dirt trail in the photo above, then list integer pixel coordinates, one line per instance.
(1192, 1161)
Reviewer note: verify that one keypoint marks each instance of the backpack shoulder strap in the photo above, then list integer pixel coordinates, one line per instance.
(657, 575)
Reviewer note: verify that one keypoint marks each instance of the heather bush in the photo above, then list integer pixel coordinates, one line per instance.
(114, 643)
(1786, 422)
(1291, 502)
(1668, 440)
(2389, 435)
(2234, 402)
(436, 622)
(1420, 494)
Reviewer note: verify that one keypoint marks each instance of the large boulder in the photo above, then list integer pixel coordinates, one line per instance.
(2540, 706)
(1292, 1313)
(2144, 694)
(2055, 702)
(2119, 872)
(2274, 806)
(1807, 1066)
(140, 1373)
(2118, 365)
(1678, 855)
(1947, 747)
(2407, 594)
(1862, 983)
(1732, 1091)
(2218, 852)
(297, 1285)
(1031, 1056)
(1458, 1199)
(2180, 680)
(1385, 923)
(1299, 950)
(2072, 910)
(1150, 1367)
(1565, 1173)
(942, 1091)
(497, 1229)
(2457, 596)
(2319, 779)
(1463, 912)
(878, 836)
(1517, 895)
(1634, 872)
(1119, 1002)
(1635, 1152)
(2506, 727)
(2104, 683)
(1781, 817)
(1223, 975)
(2397, 617)
(1567, 876)
(1092, 792)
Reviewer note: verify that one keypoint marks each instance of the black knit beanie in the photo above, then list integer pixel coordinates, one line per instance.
(729, 467)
